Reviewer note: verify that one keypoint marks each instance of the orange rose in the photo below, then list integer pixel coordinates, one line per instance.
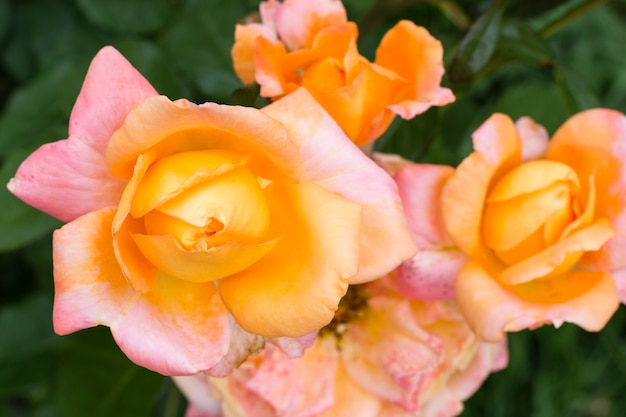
(182, 217)
(311, 44)
(541, 224)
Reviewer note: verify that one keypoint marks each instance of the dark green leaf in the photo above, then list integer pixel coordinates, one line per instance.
(95, 379)
(39, 112)
(127, 17)
(528, 9)
(150, 61)
(580, 96)
(199, 42)
(5, 18)
(477, 46)
(520, 42)
(20, 223)
(411, 139)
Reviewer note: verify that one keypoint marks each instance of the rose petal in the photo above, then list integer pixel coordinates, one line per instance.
(294, 347)
(585, 298)
(593, 142)
(420, 187)
(76, 180)
(534, 138)
(430, 275)
(497, 149)
(196, 391)
(411, 52)
(351, 174)
(297, 387)
(298, 21)
(295, 289)
(176, 329)
(351, 399)
(243, 49)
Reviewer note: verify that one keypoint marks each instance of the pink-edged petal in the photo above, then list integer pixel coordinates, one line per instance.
(176, 329)
(297, 387)
(594, 142)
(620, 282)
(430, 275)
(89, 286)
(331, 160)
(69, 178)
(497, 149)
(298, 21)
(244, 48)
(534, 138)
(420, 188)
(587, 299)
(351, 399)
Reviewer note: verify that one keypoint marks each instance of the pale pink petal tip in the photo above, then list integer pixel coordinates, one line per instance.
(534, 138)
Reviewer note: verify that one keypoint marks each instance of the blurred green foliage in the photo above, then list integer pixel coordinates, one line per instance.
(544, 58)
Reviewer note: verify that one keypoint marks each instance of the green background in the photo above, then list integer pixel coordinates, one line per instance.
(543, 58)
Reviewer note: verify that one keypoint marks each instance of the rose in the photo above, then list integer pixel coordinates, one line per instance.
(541, 223)
(184, 216)
(311, 44)
(391, 356)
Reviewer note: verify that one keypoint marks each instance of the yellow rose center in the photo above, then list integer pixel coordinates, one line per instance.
(530, 208)
(205, 215)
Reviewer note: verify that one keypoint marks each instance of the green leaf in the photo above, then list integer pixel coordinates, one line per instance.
(579, 95)
(520, 42)
(528, 9)
(477, 46)
(20, 223)
(127, 17)
(39, 112)
(5, 18)
(95, 379)
(199, 42)
(411, 139)
(152, 63)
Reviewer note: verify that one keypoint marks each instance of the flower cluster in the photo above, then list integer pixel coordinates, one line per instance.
(275, 269)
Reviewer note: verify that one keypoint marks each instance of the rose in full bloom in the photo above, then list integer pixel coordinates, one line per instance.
(310, 43)
(383, 356)
(190, 226)
(533, 230)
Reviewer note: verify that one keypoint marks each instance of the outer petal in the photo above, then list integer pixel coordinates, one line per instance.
(587, 299)
(497, 149)
(332, 161)
(594, 141)
(297, 387)
(411, 52)
(298, 21)
(177, 329)
(196, 390)
(243, 49)
(534, 138)
(76, 180)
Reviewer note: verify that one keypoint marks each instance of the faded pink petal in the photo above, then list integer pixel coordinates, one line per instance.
(534, 138)
(68, 178)
(298, 21)
(294, 347)
(339, 166)
(430, 275)
(297, 388)
(201, 402)
(180, 335)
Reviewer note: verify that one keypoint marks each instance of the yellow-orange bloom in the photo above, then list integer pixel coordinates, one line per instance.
(541, 222)
(311, 44)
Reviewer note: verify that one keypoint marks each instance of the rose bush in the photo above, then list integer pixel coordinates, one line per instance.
(391, 356)
(532, 230)
(311, 44)
(196, 230)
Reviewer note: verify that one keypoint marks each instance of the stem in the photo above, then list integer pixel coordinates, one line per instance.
(572, 14)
